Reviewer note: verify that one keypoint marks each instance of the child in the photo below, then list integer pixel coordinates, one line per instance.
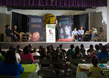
(95, 71)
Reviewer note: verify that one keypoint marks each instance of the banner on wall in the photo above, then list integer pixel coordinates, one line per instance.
(65, 31)
(50, 33)
(35, 28)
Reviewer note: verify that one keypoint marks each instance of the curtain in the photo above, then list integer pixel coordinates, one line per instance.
(21, 21)
(81, 21)
(60, 3)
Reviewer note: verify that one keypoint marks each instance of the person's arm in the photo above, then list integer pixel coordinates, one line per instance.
(93, 52)
(32, 58)
(88, 73)
(21, 69)
(16, 32)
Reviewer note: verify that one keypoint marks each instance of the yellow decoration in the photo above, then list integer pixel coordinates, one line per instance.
(49, 19)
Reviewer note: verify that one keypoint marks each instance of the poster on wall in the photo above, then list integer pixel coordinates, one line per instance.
(35, 28)
(50, 33)
(65, 31)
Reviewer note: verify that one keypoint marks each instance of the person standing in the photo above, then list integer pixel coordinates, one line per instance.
(81, 33)
(57, 29)
(10, 33)
(93, 33)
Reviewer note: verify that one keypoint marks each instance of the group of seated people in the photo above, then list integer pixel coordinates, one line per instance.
(78, 35)
(13, 34)
(10, 60)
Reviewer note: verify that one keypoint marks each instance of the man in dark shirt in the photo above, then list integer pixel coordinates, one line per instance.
(10, 33)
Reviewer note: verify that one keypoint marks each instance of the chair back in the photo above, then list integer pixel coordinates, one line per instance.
(76, 61)
(7, 77)
(36, 57)
(88, 60)
(26, 61)
(46, 73)
(104, 60)
(60, 61)
(45, 61)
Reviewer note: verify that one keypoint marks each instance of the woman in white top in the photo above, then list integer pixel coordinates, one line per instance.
(35, 53)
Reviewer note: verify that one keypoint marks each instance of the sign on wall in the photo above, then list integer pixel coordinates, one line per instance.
(50, 33)
(36, 28)
(65, 32)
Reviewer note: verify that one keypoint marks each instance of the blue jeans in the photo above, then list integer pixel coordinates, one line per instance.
(92, 36)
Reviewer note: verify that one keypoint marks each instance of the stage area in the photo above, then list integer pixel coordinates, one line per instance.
(36, 45)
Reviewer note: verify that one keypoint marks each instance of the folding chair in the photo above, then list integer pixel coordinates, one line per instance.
(104, 60)
(46, 73)
(26, 61)
(7, 77)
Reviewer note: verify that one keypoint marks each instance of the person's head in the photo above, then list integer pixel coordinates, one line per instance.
(97, 47)
(10, 57)
(92, 27)
(60, 46)
(77, 50)
(82, 46)
(61, 31)
(43, 52)
(67, 30)
(94, 60)
(100, 45)
(91, 46)
(34, 50)
(7, 26)
(26, 50)
(11, 47)
(104, 50)
(72, 46)
(48, 48)
(18, 46)
(81, 28)
(15, 26)
(40, 47)
(56, 21)
(30, 45)
(51, 46)
(74, 29)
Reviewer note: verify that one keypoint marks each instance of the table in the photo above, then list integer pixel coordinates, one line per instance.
(30, 71)
(83, 74)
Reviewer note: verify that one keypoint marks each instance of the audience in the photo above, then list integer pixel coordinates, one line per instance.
(82, 49)
(10, 67)
(71, 50)
(95, 70)
(30, 45)
(26, 55)
(104, 53)
(40, 48)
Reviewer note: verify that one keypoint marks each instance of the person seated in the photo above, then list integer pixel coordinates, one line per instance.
(15, 31)
(82, 49)
(75, 34)
(35, 53)
(10, 67)
(93, 32)
(104, 53)
(18, 49)
(95, 70)
(80, 34)
(10, 33)
(26, 55)
(70, 52)
(90, 49)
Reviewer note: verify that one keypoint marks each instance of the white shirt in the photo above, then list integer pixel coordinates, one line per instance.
(17, 57)
(35, 54)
